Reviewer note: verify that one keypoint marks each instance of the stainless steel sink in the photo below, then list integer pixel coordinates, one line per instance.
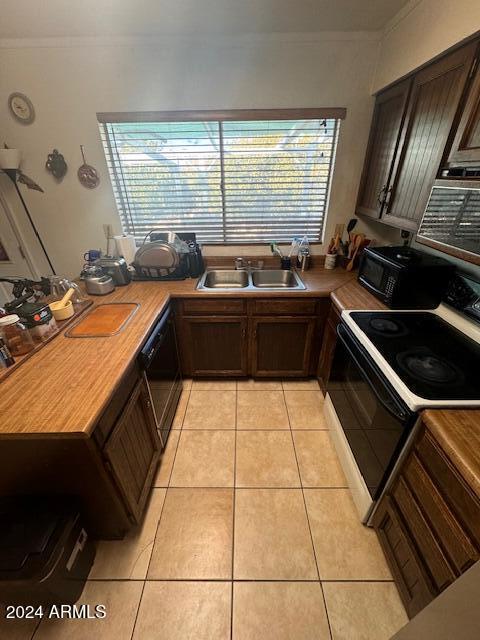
(225, 279)
(275, 279)
(267, 279)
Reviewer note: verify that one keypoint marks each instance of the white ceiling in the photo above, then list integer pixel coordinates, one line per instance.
(65, 18)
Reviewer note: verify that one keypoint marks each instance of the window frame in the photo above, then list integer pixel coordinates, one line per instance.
(309, 113)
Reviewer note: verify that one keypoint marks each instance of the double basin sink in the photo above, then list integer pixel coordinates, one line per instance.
(228, 279)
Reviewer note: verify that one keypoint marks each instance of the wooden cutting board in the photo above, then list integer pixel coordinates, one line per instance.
(105, 320)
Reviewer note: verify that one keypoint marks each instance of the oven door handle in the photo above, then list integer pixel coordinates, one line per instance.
(390, 404)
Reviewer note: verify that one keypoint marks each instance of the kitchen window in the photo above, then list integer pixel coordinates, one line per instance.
(232, 177)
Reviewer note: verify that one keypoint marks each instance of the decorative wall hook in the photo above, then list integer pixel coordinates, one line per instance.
(56, 164)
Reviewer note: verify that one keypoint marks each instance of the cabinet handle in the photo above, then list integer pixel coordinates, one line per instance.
(244, 332)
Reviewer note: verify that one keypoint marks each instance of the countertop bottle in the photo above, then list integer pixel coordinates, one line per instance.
(6, 358)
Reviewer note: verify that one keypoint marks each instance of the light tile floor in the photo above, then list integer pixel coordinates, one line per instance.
(250, 533)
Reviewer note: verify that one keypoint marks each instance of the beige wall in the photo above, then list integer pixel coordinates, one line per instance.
(69, 84)
(421, 31)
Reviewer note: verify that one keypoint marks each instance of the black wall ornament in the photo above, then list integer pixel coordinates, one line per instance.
(56, 165)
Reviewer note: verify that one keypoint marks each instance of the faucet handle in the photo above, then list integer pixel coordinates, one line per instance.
(239, 263)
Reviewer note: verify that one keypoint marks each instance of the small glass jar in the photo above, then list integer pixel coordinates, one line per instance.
(43, 331)
(16, 336)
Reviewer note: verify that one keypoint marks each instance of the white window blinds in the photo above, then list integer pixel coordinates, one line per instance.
(230, 181)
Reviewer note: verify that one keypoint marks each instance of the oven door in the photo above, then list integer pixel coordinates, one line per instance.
(375, 421)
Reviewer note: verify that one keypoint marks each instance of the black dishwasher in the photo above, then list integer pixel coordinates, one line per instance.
(161, 365)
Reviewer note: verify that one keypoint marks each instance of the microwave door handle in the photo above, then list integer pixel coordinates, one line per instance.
(371, 287)
(390, 406)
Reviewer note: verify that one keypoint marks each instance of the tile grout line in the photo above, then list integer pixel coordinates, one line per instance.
(159, 520)
(308, 521)
(206, 487)
(184, 579)
(234, 501)
(248, 430)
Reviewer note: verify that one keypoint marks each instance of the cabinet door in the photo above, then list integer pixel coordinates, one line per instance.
(327, 350)
(281, 346)
(465, 148)
(133, 449)
(215, 346)
(410, 577)
(382, 145)
(433, 103)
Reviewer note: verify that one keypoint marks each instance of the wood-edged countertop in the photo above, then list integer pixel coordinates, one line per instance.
(63, 389)
(457, 431)
(353, 296)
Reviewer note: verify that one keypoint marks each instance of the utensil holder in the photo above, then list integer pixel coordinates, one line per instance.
(330, 260)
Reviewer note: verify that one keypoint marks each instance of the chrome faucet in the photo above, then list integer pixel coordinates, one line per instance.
(241, 266)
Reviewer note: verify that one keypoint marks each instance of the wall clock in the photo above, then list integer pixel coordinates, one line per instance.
(21, 108)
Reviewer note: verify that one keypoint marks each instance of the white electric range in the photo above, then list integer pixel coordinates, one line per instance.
(388, 365)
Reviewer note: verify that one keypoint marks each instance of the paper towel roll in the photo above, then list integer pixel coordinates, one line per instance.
(126, 247)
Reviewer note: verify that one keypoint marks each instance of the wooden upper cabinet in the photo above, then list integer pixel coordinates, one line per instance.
(382, 145)
(465, 149)
(431, 110)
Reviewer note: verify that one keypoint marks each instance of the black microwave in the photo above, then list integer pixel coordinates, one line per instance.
(404, 278)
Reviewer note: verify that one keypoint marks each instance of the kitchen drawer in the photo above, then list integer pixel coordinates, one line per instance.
(116, 405)
(456, 544)
(215, 306)
(285, 307)
(425, 539)
(455, 491)
(414, 587)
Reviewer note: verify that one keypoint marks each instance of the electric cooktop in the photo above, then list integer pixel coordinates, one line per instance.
(433, 359)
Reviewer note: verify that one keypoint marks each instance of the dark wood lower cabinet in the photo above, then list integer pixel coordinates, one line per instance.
(133, 449)
(404, 561)
(427, 524)
(273, 337)
(110, 473)
(214, 345)
(327, 349)
(281, 346)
